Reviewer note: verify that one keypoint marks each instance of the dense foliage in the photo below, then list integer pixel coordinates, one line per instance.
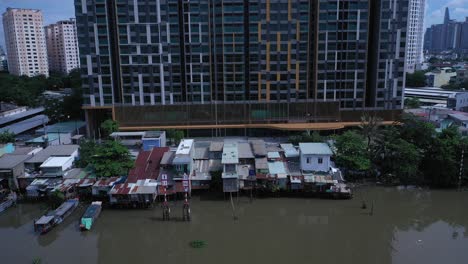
(27, 91)
(305, 137)
(108, 159)
(410, 153)
(174, 136)
(416, 79)
(109, 126)
(412, 103)
(6, 137)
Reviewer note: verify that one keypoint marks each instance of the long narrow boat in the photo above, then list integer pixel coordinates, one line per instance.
(55, 217)
(7, 200)
(90, 216)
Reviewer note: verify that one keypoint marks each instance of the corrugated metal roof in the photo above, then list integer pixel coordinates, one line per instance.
(200, 153)
(216, 146)
(274, 155)
(230, 154)
(315, 149)
(9, 161)
(11, 118)
(258, 148)
(55, 162)
(261, 163)
(289, 150)
(277, 167)
(167, 158)
(62, 127)
(147, 165)
(55, 150)
(26, 125)
(244, 151)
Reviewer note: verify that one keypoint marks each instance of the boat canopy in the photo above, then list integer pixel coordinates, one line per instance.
(44, 220)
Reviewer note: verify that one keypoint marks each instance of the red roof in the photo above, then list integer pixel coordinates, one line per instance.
(147, 165)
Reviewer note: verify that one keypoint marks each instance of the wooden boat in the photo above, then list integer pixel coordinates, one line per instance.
(55, 217)
(90, 216)
(7, 199)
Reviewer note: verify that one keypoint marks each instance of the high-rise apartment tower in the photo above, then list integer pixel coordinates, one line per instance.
(25, 42)
(241, 63)
(62, 46)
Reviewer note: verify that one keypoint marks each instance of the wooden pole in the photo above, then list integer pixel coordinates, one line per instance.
(233, 208)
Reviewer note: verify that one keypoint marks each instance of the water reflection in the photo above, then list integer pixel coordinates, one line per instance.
(407, 226)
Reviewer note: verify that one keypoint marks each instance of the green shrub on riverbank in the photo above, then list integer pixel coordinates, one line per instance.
(409, 153)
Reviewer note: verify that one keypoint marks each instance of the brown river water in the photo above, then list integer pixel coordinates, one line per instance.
(407, 226)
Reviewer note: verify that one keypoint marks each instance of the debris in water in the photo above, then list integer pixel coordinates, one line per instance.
(198, 244)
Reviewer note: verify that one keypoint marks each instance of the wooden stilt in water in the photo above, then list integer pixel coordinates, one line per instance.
(166, 209)
(186, 213)
(372, 209)
(233, 208)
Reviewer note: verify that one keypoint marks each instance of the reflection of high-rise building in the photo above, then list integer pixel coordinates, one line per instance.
(25, 42)
(257, 62)
(414, 36)
(451, 35)
(3, 60)
(62, 46)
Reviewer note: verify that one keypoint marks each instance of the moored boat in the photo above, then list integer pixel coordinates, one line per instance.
(7, 199)
(55, 217)
(90, 216)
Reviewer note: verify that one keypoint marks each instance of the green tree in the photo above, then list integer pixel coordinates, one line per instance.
(370, 129)
(397, 158)
(87, 150)
(109, 126)
(417, 132)
(175, 136)
(54, 109)
(433, 60)
(412, 103)
(111, 159)
(351, 152)
(305, 137)
(416, 79)
(440, 164)
(7, 137)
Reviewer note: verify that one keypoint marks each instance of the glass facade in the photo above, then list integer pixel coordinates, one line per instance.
(180, 52)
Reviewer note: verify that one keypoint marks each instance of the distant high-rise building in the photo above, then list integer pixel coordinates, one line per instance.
(62, 46)
(239, 63)
(25, 42)
(451, 35)
(3, 60)
(414, 38)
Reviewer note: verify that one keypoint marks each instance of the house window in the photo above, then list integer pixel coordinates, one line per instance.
(308, 160)
(320, 160)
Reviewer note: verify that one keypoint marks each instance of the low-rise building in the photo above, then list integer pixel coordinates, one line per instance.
(12, 167)
(145, 139)
(440, 77)
(40, 157)
(230, 160)
(315, 157)
(56, 166)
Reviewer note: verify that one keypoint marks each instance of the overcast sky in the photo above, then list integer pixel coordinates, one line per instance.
(54, 10)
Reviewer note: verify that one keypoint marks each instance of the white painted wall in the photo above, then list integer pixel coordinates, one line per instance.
(313, 164)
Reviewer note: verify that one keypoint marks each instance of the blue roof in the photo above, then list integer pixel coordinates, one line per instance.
(50, 137)
(62, 127)
(315, 149)
(11, 118)
(26, 125)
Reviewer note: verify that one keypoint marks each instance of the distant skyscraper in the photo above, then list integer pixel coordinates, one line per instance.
(3, 60)
(238, 62)
(25, 42)
(414, 43)
(451, 35)
(62, 46)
